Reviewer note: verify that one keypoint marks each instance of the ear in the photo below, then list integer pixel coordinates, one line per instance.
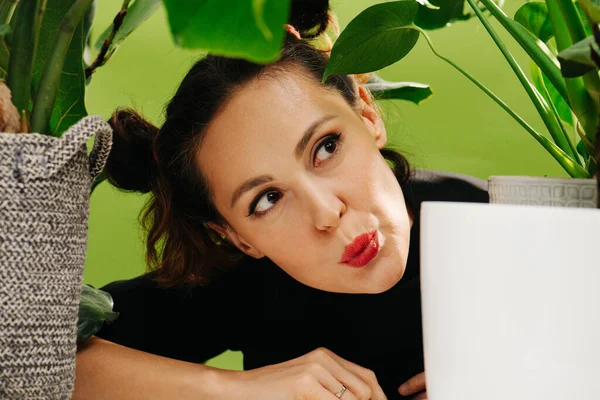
(236, 239)
(372, 118)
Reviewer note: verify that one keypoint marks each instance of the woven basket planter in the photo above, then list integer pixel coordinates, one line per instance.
(45, 185)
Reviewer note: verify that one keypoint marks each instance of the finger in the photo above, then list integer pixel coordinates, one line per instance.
(318, 392)
(330, 382)
(365, 375)
(358, 387)
(420, 396)
(413, 385)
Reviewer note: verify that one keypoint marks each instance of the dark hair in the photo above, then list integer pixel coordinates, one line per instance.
(180, 247)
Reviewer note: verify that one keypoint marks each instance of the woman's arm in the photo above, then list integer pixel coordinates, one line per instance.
(105, 370)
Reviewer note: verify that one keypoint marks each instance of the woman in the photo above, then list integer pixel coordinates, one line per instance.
(286, 181)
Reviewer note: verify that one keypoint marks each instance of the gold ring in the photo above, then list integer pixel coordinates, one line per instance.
(341, 391)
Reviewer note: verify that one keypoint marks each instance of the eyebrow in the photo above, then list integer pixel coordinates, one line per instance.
(249, 185)
(308, 134)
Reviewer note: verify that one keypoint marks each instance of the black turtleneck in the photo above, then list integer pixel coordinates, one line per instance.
(260, 310)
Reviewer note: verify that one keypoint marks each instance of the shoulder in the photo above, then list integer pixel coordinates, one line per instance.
(427, 185)
(144, 290)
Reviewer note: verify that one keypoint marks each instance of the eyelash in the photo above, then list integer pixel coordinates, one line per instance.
(326, 139)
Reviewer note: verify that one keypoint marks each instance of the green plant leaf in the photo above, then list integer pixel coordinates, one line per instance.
(591, 9)
(563, 109)
(542, 83)
(534, 17)
(25, 39)
(545, 87)
(379, 36)
(410, 91)
(88, 21)
(449, 11)
(258, 7)
(577, 60)
(4, 51)
(5, 29)
(4, 57)
(95, 308)
(6, 8)
(138, 12)
(203, 24)
(582, 150)
(584, 18)
(69, 106)
(427, 4)
(534, 47)
(87, 32)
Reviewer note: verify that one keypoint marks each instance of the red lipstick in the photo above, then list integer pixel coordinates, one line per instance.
(362, 250)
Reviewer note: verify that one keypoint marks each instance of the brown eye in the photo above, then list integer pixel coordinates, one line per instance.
(326, 149)
(264, 202)
(330, 147)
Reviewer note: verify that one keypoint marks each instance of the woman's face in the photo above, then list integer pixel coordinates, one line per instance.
(297, 174)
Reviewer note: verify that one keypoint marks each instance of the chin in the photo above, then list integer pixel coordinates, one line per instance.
(385, 278)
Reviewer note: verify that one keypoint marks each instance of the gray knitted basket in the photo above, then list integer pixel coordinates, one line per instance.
(45, 185)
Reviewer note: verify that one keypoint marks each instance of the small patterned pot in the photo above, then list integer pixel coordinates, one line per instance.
(556, 192)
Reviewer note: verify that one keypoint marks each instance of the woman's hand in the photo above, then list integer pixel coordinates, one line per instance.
(320, 374)
(416, 386)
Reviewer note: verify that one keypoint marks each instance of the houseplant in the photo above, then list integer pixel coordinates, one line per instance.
(47, 58)
(509, 291)
(564, 96)
(46, 177)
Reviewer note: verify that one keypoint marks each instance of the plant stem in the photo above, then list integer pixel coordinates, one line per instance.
(572, 167)
(537, 50)
(559, 27)
(572, 21)
(4, 57)
(6, 10)
(24, 43)
(580, 100)
(537, 74)
(50, 79)
(102, 56)
(536, 98)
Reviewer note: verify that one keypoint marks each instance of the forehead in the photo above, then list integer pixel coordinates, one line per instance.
(257, 130)
(275, 101)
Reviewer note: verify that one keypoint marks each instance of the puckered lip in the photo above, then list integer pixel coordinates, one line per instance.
(358, 245)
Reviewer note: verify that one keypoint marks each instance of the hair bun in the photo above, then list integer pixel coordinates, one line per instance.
(130, 165)
(309, 17)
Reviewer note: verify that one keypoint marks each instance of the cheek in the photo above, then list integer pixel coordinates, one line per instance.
(367, 175)
(284, 240)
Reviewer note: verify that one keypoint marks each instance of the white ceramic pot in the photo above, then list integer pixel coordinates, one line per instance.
(558, 192)
(511, 302)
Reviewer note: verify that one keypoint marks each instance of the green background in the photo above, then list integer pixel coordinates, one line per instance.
(458, 129)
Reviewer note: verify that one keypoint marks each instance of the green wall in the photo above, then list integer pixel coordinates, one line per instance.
(458, 129)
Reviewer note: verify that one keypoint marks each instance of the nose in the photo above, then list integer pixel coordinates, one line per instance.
(326, 207)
